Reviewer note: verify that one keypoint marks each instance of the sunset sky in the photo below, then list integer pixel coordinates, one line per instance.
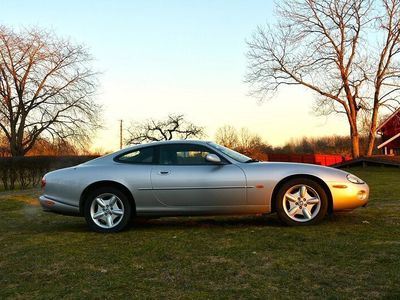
(161, 57)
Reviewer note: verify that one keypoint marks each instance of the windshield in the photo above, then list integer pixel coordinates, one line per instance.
(232, 154)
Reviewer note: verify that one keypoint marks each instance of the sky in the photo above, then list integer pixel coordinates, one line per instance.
(183, 57)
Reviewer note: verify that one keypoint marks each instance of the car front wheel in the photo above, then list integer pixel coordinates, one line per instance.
(107, 210)
(301, 201)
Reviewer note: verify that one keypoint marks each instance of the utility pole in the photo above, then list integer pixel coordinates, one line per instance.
(120, 134)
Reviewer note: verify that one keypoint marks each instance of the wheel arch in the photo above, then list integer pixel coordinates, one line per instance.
(308, 176)
(95, 185)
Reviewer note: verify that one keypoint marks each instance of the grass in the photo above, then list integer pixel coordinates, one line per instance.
(352, 255)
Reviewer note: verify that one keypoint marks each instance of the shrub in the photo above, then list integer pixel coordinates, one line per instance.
(24, 172)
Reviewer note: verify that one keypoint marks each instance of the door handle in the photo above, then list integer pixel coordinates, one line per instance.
(163, 172)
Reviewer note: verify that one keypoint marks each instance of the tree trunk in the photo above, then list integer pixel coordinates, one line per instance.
(355, 140)
(372, 131)
(352, 118)
(15, 142)
(17, 150)
(355, 146)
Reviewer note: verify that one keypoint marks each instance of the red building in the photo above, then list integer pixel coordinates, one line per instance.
(390, 131)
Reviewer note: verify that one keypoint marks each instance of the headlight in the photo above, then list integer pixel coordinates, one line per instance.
(354, 179)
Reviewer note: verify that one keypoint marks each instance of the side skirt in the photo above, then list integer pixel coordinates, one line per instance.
(202, 210)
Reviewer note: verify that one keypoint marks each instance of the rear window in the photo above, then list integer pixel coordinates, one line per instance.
(138, 156)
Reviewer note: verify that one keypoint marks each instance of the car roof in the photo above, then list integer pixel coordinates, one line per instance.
(157, 143)
(112, 155)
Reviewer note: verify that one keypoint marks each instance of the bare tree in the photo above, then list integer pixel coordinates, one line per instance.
(227, 136)
(248, 140)
(46, 89)
(174, 127)
(326, 47)
(241, 139)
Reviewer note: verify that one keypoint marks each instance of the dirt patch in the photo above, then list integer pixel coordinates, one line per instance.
(20, 195)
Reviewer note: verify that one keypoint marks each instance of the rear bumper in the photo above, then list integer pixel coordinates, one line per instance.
(52, 205)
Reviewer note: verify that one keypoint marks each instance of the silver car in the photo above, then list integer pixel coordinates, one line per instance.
(187, 178)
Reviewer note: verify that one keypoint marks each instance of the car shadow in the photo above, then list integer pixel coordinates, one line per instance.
(65, 224)
(78, 225)
(167, 223)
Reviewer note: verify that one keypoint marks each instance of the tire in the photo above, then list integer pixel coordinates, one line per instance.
(107, 209)
(301, 202)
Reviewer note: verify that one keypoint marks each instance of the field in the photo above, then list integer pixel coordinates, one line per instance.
(353, 255)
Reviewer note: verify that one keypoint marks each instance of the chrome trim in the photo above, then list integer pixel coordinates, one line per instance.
(196, 188)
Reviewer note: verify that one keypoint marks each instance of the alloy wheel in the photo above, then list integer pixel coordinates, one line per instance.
(301, 203)
(107, 210)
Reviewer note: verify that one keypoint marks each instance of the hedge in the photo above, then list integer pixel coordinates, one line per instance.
(25, 172)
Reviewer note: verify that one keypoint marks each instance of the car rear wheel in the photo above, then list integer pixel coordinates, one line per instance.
(301, 201)
(107, 209)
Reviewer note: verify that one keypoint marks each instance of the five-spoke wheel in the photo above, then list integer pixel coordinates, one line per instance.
(107, 210)
(301, 201)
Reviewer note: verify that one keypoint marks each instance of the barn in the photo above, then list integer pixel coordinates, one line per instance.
(389, 129)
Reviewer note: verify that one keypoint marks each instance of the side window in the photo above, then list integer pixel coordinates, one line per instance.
(178, 154)
(139, 156)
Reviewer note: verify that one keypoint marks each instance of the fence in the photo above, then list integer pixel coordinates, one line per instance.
(24, 172)
(318, 159)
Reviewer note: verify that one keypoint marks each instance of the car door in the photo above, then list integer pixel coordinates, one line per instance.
(184, 177)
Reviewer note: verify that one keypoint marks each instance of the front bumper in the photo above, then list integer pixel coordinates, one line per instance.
(52, 205)
(348, 196)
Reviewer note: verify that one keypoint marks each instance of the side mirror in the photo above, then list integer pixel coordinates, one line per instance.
(213, 158)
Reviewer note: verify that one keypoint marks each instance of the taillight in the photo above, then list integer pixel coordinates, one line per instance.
(43, 184)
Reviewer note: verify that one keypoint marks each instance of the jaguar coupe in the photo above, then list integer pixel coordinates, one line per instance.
(188, 178)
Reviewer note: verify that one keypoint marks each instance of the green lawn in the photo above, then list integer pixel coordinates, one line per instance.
(353, 255)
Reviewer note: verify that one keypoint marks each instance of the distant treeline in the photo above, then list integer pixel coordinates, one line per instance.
(320, 145)
(338, 145)
(46, 147)
(251, 144)
(25, 172)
